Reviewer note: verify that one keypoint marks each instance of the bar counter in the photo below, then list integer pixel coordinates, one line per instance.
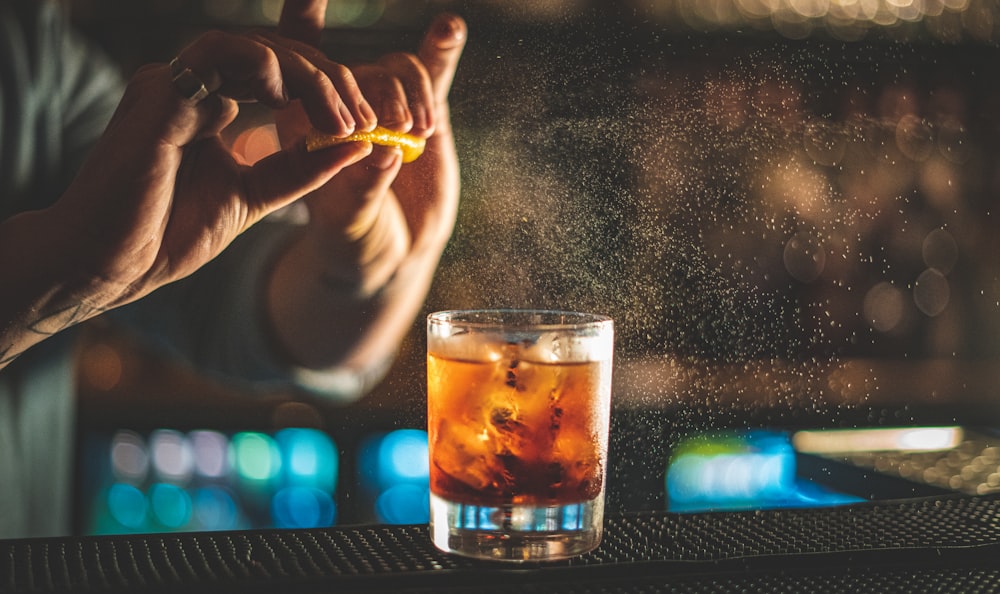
(937, 544)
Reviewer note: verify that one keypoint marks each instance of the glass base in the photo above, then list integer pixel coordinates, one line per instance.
(516, 532)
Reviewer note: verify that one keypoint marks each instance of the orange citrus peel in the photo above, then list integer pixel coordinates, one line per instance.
(411, 145)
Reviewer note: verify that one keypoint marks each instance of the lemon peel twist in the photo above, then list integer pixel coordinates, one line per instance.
(411, 145)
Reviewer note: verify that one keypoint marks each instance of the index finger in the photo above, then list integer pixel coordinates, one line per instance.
(303, 20)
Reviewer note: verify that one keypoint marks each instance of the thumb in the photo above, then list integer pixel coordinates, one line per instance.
(290, 174)
(440, 51)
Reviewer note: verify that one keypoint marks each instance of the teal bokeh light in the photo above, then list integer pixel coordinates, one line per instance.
(309, 458)
(171, 505)
(255, 456)
(128, 506)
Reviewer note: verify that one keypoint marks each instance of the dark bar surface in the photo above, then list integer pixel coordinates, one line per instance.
(936, 544)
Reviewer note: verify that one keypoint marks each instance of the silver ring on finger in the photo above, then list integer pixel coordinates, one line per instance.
(187, 82)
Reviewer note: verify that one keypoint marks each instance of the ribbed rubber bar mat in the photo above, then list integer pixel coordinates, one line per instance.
(947, 544)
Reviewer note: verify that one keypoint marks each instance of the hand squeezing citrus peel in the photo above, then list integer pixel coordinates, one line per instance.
(411, 146)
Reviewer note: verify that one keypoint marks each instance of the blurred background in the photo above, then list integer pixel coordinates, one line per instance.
(786, 205)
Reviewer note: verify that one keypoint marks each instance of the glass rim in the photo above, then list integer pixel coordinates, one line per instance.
(512, 317)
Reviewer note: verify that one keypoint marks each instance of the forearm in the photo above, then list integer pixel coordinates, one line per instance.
(42, 292)
(324, 319)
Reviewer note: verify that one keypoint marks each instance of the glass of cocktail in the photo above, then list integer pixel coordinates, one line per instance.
(518, 408)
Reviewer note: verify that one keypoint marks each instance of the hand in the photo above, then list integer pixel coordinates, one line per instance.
(376, 213)
(345, 294)
(161, 194)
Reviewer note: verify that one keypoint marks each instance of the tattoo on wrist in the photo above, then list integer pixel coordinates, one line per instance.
(49, 324)
(8, 354)
(59, 320)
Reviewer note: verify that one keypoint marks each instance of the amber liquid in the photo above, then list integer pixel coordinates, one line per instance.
(517, 432)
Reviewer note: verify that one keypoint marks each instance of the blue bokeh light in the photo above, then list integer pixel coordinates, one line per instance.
(404, 504)
(753, 469)
(127, 505)
(404, 457)
(394, 470)
(215, 509)
(309, 458)
(171, 505)
(302, 507)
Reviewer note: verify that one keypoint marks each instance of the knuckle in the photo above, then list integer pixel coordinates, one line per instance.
(270, 60)
(321, 81)
(344, 74)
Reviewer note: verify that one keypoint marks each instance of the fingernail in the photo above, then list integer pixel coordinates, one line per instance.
(448, 32)
(421, 117)
(347, 119)
(385, 158)
(368, 118)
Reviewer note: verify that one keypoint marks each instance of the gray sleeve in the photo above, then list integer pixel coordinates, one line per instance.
(57, 94)
(91, 87)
